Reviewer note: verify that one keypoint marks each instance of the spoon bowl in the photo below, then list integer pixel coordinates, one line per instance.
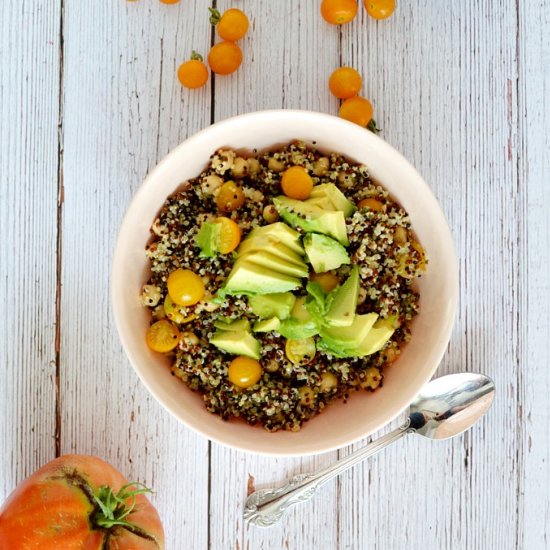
(449, 405)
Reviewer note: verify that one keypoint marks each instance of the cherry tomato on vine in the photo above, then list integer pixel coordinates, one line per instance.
(380, 9)
(193, 73)
(232, 25)
(345, 82)
(357, 109)
(338, 12)
(225, 58)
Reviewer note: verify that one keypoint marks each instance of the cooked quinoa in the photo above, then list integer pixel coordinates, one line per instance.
(382, 245)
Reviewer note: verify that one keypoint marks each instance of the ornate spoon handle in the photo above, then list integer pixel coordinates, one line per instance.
(266, 506)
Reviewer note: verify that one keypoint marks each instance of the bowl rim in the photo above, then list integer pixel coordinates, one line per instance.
(117, 268)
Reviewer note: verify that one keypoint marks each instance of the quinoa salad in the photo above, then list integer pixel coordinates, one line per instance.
(280, 282)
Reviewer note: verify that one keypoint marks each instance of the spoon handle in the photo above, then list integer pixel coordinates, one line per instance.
(266, 506)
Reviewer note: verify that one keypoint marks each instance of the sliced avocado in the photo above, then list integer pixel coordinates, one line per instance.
(279, 232)
(275, 264)
(324, 253)
(236, 325)
(237, 343)
(375, 340)
(272, 305)
(335, 196)
(349, 337)
(311, 218)
(280, 250)
(321, 202)
(207, 239)
(249, 278)
(267, 325)
(342, 301)
(301, 324)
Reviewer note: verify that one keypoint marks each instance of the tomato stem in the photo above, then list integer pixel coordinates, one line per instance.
(372, 126)
(196, 55)
(215, 16)
(113, 508)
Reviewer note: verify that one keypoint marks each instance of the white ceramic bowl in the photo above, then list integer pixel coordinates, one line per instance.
(340, 424)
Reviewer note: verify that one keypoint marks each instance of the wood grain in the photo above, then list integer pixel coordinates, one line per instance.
(459, 88)
(534, 256)
(123, 111)
(29, 114)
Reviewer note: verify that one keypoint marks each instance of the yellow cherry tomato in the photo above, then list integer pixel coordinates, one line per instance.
(174, 313)
(357, 109)
(232, 25)
(244, 372)
(345, 82)
(230, 235)
(185, 287)
(230, 197)
(193, 73)
(338, 12)
(300, 351)
(371, 204)
(225, 58)
(380, 9)
(328, 281)
(162, 336)
(296, 183)
(169, 1)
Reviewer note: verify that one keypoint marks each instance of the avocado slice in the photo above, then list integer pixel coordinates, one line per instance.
(349, 338)
(342, 301)
(239, 342)
(272, 305)
(322, 202)
(300, 324)
(207, 239)
(335, 197)
(267, 325)
(324, 253)
(250, 278)
(375, 340)
(280, 250)
(275, 264)
(311, 218)
(236, 325)
(279, 232)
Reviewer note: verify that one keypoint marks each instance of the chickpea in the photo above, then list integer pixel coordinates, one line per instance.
(400, 235)
(372, 379)
(328, 382)
(223, 161)
(150, 295)
(362, 295)
(275, 165)
(321, 166)
(346, 180)
(210, 184)
(307, 396)
(189, 339)
(239, 168)
(253, 166)
(270, 214)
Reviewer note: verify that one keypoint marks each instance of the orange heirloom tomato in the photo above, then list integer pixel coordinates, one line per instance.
(357, 109)
(56, 509)
(345, 82)
(232, 25)
(225, 58)
(338, 12)
(380, 9)
(193, 73)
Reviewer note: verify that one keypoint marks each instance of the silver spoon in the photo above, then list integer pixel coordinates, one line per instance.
(446, 407)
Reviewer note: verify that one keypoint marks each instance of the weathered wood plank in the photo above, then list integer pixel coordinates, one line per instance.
(534, 239)
(29, 113)
(124, 110)
(442, 79)
(288, 55)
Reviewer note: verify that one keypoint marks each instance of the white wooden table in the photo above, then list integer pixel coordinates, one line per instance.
(89, 103)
